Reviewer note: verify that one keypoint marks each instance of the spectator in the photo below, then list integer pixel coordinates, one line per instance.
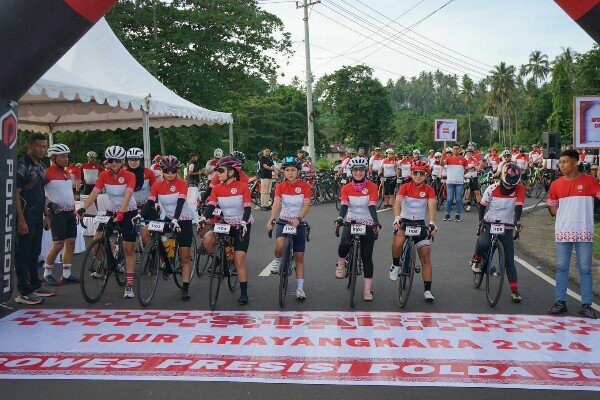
(571, 201)
(455, 169)
(30, 206)
(193, 170)
(90, 171)
(209, 168)
(266, 178)
(276, 164)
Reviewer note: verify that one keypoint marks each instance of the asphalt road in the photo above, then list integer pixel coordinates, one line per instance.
(452, 287)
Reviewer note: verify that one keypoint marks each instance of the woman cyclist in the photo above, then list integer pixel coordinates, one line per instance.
(358, 204)
(506, 159)
(501, 202)
(119, 185)
(416, 199)
(293, 195)
(144, 177)
(171, 194)
(389, 172)
(233, 198)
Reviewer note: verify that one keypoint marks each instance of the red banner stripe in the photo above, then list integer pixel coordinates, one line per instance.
(577, 8)
(92, 10)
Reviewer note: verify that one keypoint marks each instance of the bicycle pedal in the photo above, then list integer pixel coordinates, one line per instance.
(417, 268)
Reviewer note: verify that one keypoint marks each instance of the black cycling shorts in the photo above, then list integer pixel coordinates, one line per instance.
(127, 231)
(423, 238)
(185, 237)
(389, 185)
(299, 241)
(240, 244)
(474, 184)
(63, 226)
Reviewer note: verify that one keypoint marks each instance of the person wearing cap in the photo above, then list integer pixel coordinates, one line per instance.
(375, 164)
(90, 170)
(431, 157)
(209, 168)
(536, 156)
(193, 170)
(404, 165)
(416, 155)
(156, 167)
(351, 154)
(361, 152)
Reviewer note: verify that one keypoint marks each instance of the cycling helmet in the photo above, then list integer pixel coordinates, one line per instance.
(419, 166)
(231, 162)
(494, 149)
(351, 150)
(135, 153)
(358, 162)
(218, 153)
(116, 152)
(432, 151)
(274, 153)
(506, 153)
(389, 150)
(438, 154)
(511, 174)
(92, 154)
(170, 163)
(405, 153)
(377, 149)
(521, 148)
(472, 144)
(417, 151)
(58, 149)
(241, 157)
(156, 158)
(291, 162)
(448, 150)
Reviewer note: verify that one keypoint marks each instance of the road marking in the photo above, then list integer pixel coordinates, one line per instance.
(266, 271)
(550, 280)
(385, 209)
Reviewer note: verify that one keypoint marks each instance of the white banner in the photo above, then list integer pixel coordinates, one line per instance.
(586, 122)
(445, 130)
(516, 351)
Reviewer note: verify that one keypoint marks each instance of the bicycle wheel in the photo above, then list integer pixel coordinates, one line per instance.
(537, 191)
(216, 276)
(467, 203)
(381, 196)
(353, 272)
(407, 274)
(478, 278)
(284, 271)
(120, 275)
(94, 272)
(338, 202)
(494, 276)
(203, 259)
(147, 273)
(178, 265)
(232, 279)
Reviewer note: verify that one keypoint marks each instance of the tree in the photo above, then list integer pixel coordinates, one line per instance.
(503, 87)
(467, 93)
(562, 89)
(538, 66)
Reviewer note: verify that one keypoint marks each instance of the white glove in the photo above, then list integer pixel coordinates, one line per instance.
(202, 219)
(244, 228)
(175, 224)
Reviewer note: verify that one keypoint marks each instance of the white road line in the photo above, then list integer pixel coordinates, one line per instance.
(385, 209)
(266, 271)
(532, 207)
(550, 280)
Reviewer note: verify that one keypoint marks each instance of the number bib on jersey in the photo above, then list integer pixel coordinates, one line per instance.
(344, 181)
(412, 231)
(497, 229)
(356, 229)
(222, 228)
(102, 219)
(289, 229)
(156, 226)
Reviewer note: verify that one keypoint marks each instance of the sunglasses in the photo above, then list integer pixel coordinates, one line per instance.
(169, 171)
(113, 161)
(358, 169)
(134, 159)
(220, 170)
(419, 173)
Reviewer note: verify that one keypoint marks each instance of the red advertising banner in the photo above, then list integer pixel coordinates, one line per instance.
(586, 122)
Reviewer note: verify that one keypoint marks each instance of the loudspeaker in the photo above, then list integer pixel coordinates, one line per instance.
(551, 144)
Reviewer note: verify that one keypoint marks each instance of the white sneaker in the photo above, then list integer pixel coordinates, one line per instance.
(275, 266)
(128, 292)
(429, 297)
(300, 295)
(476, 266)
(394, 271)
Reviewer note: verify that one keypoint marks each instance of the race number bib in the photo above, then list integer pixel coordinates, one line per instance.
(290, 230)
(222, 228)
(412, 231)
(344, 181)
(102, 219)
(497, 229)
(156, 226)
(358, 229)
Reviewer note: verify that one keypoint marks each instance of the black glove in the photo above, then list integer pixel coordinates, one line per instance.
(81, 212)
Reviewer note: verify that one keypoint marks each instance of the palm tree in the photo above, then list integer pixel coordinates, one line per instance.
(538, 66)
(503, 86)
(468, 93)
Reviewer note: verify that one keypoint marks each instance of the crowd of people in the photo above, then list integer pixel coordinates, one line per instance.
(47, 198)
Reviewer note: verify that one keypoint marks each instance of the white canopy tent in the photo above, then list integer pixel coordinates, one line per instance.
(98, 85)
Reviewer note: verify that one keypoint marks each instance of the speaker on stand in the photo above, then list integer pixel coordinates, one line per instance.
(551, 145)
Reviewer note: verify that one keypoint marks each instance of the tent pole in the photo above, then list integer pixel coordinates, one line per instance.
(230, 138)
(146, 137)
(50, 137)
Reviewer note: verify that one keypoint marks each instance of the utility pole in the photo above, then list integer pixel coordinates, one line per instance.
(309, 99)
(154, 37)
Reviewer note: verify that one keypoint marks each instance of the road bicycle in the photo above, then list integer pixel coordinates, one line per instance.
(536, 185)
(469, 199)
(408, 260)
(441, 194)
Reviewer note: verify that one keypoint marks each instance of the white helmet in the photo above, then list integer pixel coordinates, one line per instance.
(438, 154)
(506, 152)
(417, 151)
(116, 152)
(358, 162)
(448, 149)
(92, 154)
(218, 153)
(135, 152)
(58, 149)
(389, 150)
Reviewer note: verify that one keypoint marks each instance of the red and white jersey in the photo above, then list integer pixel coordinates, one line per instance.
(116, 185)
(455, 169)
(375, 162)
(345, 168)
(404, 165)
(473, 165)
(582, 155)
(494, 161)
(389, 167)
(215, 180)
(231, 198)
(307, 168)
(590, 159)
(502, 206)
(513, 155)
(476, 155)
(536, 156)
(575, 201)
(414, 200)
(91, 171)
(358, 202)
(168, 193)
(58, 188)
(436, 169)
(157, 172)
(141, 195)
(430, 160)
(522, 160)
(210, 166)
(74, 174)
(293, 197)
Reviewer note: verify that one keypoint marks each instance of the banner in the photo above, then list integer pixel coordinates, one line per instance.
(363, 348)
(586, 13)
(586, 122)
(445, 130)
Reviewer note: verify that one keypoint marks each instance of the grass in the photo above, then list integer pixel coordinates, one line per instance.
(596, 250)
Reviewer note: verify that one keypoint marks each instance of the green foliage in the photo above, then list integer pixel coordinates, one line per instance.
(324, 165)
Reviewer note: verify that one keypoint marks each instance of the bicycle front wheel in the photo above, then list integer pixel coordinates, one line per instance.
(407, 273)
(284, 271)
(120, 275)
(147, 273)
(353, 272)
(216, 276)
(203, 259)
(94, 272)
(494, 276)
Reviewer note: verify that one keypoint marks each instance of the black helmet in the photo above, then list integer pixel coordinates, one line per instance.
(241, 157)
(512, 174)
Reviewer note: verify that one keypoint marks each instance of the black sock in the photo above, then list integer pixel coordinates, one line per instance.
(427, 285)
(244, 288)
(186, 285)
(396, 262)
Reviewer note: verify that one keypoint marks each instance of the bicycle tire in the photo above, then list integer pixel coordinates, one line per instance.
(338, 202)
(494, 274)
(203, 258)
(120, 269)
(216, 276)
(232, 279)
(146, 277)
(407, 273)
(353, 272)
(538, 189)
(85, 270)
(478, 278)
(284, 271)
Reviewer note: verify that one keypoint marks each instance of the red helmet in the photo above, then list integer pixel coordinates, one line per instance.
(157, 158)
(419, 166)
(229, 162)
(169, 162)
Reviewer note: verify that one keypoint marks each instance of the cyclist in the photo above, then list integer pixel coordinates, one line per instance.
(404, 165)
(209, 168)
(472, 168)
(90, 171)
(171, 194)
(493, 160)
(358, 204)
(506, 159)
(61, 207)
(536, 156)
(389, 172)
(144, 177)
(476, 155)
(74, 172)
(238, 155)
(416, 155)
(156, 167)
(375, 164)
(351, 154)
(455, 169)
(522, 160)
(119, 185)
(504, 202)
(233, 198)
(293, 195)
(415, 198)
(431, 157)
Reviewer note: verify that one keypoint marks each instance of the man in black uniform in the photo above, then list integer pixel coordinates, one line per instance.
(193, 170)
(31, 208)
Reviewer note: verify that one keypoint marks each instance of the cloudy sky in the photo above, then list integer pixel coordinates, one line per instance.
(464, 36)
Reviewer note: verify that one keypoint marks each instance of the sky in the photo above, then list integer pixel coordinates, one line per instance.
(465, 36)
